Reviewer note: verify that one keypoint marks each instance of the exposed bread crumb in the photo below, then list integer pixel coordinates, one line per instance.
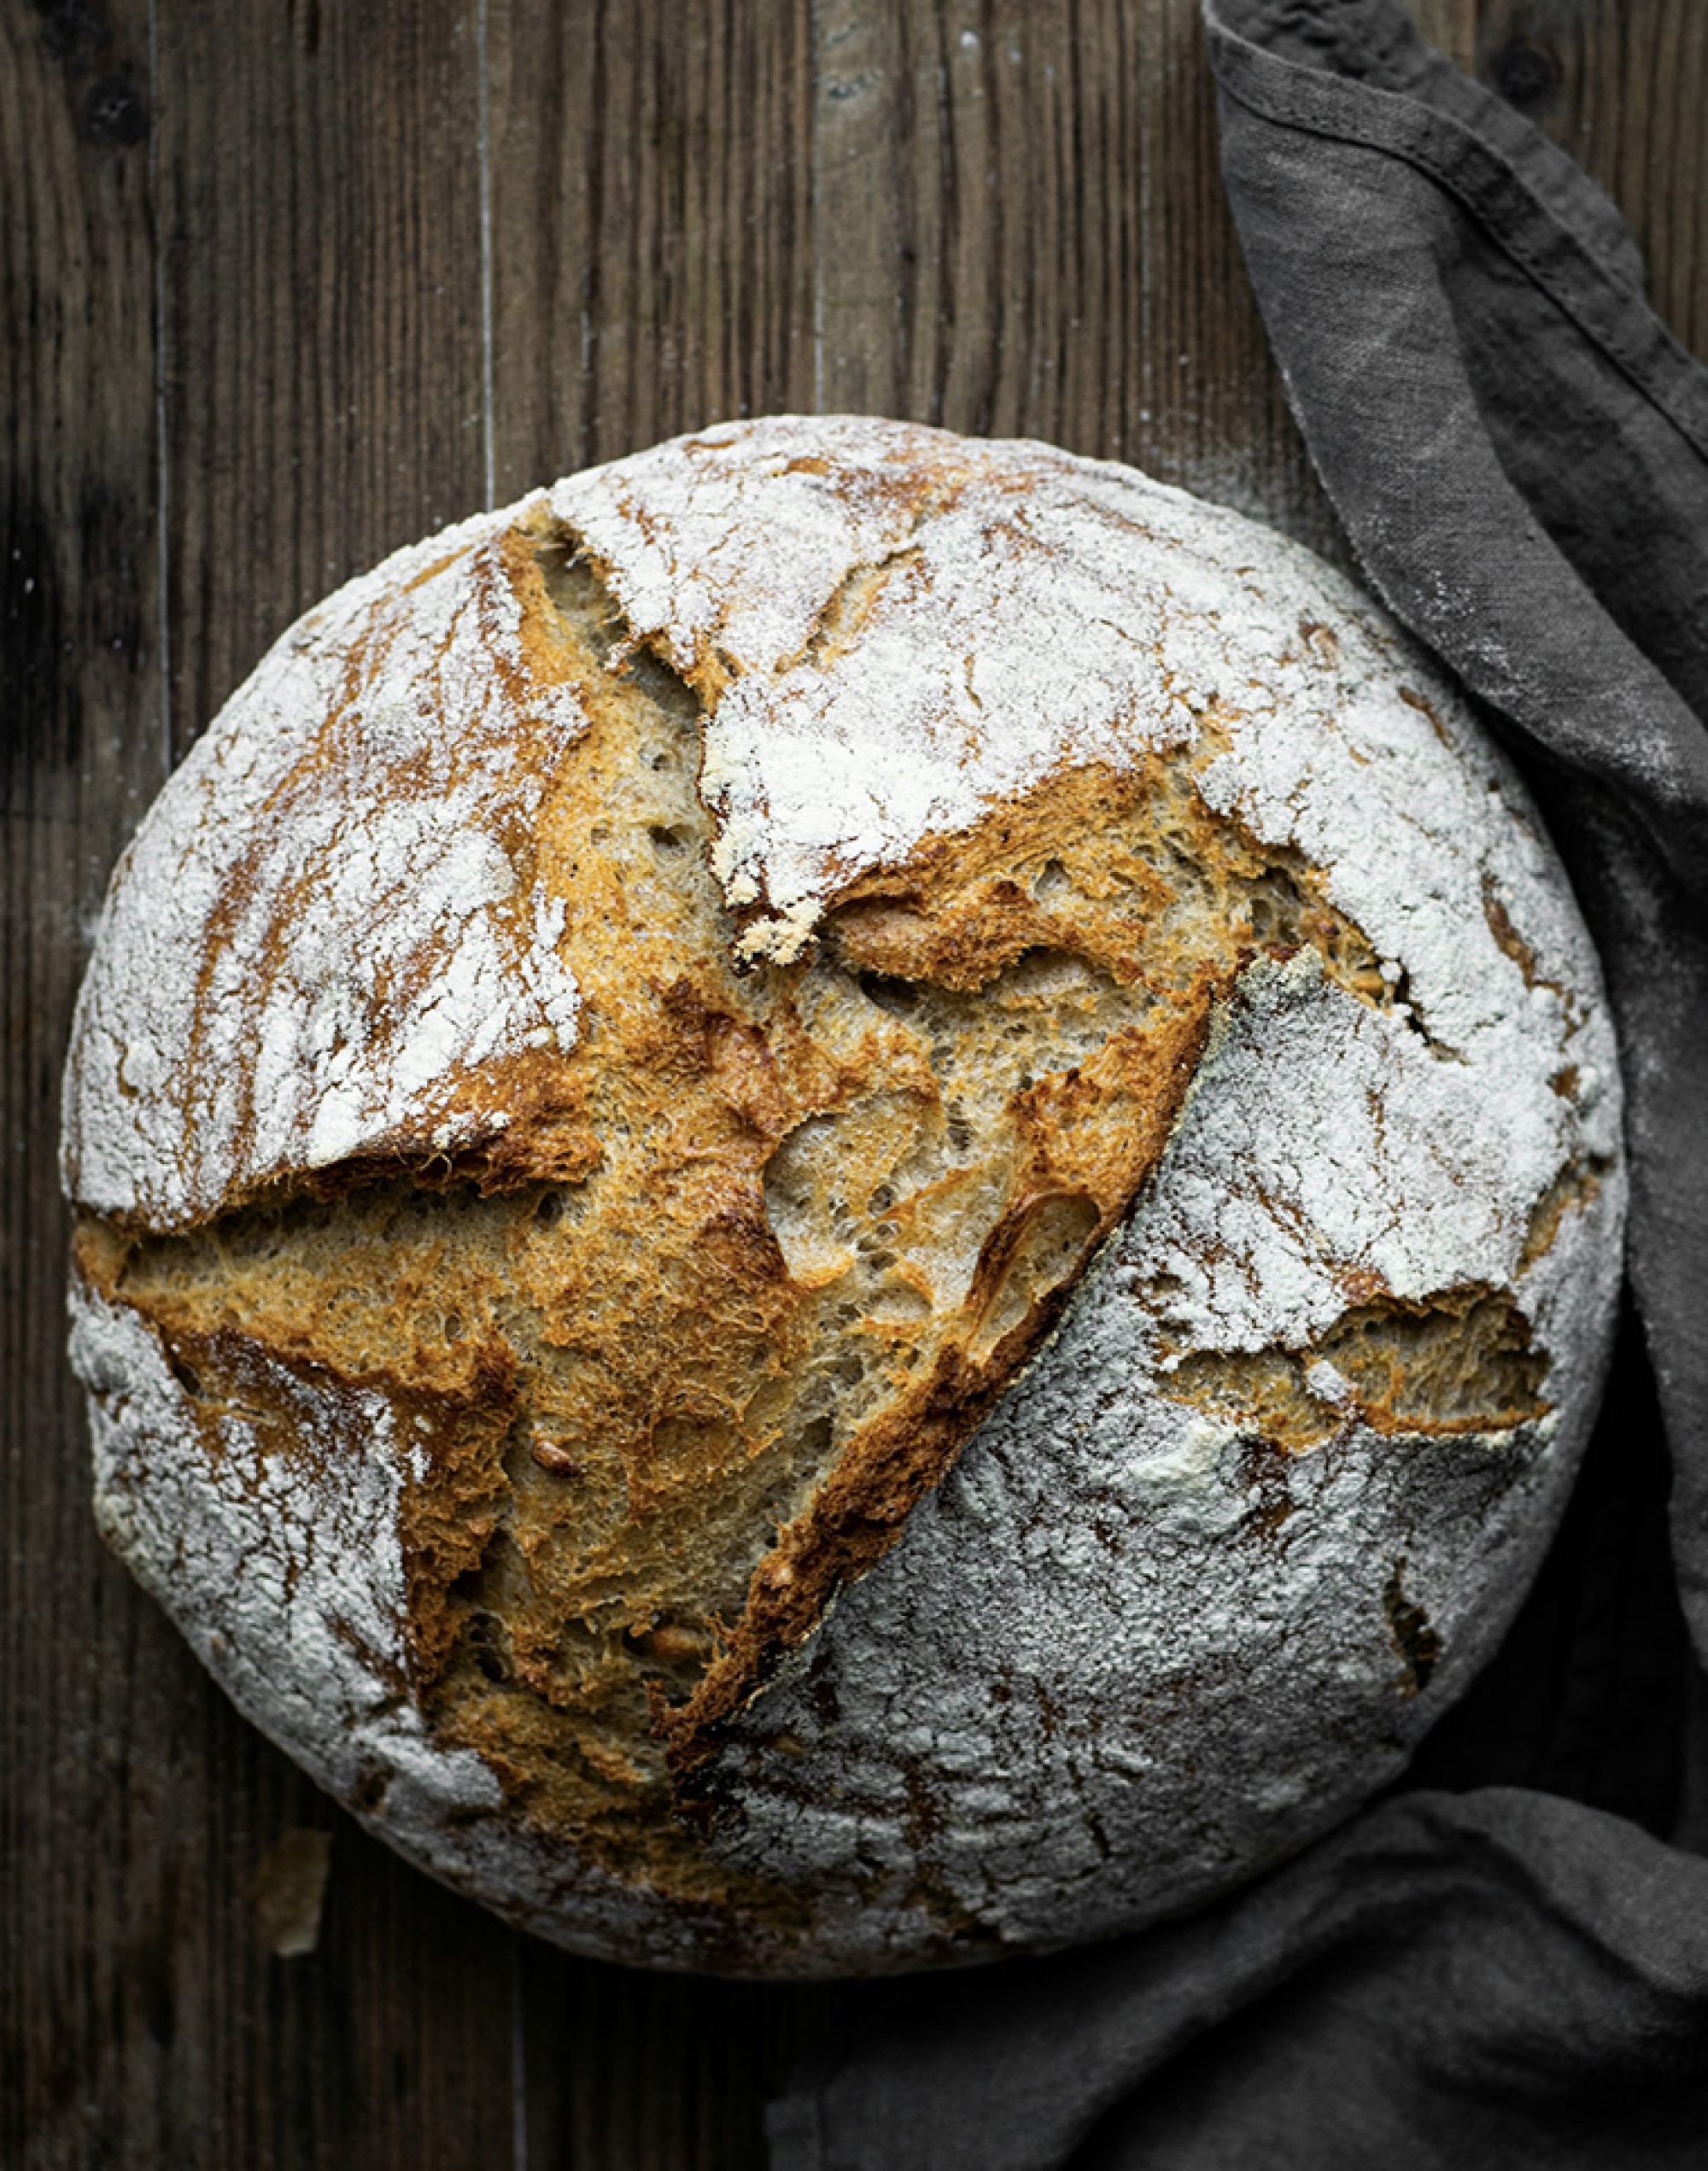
(289, 1892)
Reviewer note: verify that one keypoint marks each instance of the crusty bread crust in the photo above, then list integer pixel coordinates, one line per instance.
(845, 1198)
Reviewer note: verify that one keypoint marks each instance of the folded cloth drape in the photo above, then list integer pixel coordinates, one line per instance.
(1518, 452)
(1491, 1982)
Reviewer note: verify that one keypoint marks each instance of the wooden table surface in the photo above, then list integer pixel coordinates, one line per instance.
(282, 288)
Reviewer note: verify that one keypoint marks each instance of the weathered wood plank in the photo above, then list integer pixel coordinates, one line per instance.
(630, 2072)
(651, 224)
(1621, 85)
(312, 291)
(82, 751)
(320, 279)
(1023, 233)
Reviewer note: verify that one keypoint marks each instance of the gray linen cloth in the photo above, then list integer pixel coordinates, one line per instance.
(1509, 1975)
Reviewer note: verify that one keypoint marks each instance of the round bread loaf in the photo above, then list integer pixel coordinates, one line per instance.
(844, 1199)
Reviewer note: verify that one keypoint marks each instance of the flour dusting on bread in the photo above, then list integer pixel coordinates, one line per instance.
(823, 1181)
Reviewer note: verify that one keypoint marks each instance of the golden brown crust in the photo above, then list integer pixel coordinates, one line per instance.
(581, 1111)
(687, 1335)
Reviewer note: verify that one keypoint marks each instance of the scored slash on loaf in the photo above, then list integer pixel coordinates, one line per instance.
(844, 1199)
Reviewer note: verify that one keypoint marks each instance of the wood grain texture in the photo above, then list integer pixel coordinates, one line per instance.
(231, 392)
(82, 754)
(1620, 87)
(287, 287)
(651, 224)
(1023, 233)
(320, 247)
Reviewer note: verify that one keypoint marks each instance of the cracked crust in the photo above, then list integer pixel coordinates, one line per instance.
(725, 1064)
